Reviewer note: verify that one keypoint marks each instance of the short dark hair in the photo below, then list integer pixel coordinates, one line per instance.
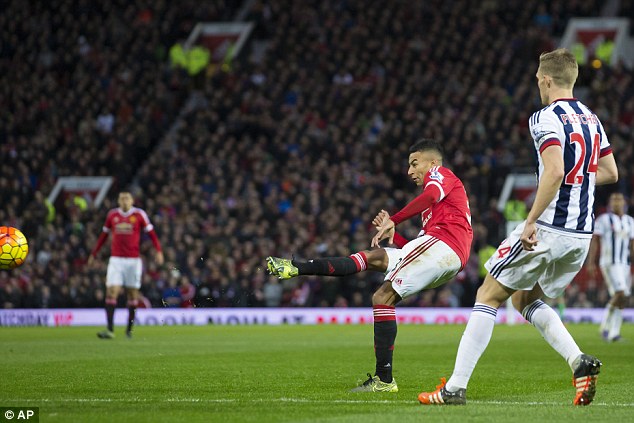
(427, 144)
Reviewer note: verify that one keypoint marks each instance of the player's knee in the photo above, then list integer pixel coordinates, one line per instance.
(620, 299)
(519, 303)
(377, 260)
(112, 292)
(385, 295)
(380, 297)
(492, 293)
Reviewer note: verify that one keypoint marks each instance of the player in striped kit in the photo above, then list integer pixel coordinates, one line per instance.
(544, 253)
(439, 252)
(614, 230)
(124, 267)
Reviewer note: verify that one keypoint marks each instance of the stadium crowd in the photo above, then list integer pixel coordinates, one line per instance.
(292, 151)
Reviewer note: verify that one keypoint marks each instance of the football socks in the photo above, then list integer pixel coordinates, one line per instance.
(332, 266)
(552, 329)
(384, 336)
(474, 341)
(110, 306)
(615, 325)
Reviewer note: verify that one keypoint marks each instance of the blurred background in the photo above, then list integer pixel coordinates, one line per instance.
(281, 131)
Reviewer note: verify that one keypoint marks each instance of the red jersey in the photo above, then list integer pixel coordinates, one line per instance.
(126, 232)
(444, 209)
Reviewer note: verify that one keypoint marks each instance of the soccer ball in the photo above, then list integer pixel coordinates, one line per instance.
(13, 248)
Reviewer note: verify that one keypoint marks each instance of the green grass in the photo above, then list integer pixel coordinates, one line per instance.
(297, 374)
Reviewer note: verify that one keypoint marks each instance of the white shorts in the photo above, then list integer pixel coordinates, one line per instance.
(124, 271)
(618, 278)
(556, 259)
(423, 263)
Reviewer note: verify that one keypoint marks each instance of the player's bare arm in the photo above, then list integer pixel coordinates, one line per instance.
(607, 172)
(549, 185)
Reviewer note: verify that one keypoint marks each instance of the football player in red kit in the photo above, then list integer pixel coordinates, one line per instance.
(439, 252)
(124, 267)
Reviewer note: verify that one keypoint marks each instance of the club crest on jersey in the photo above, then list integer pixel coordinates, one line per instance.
(436, 175)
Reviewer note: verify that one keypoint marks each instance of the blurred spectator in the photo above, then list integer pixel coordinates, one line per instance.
(272, 293)
(172, 295)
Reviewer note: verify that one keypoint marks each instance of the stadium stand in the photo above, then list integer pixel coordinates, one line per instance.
(291, 151)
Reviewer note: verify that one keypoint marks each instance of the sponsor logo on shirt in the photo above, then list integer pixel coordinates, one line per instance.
(124, 228)
(426, 219)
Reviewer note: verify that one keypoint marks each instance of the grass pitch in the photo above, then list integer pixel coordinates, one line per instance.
(297, 374)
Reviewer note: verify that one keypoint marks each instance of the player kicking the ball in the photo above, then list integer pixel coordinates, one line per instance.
(433, 258)
(544, 253)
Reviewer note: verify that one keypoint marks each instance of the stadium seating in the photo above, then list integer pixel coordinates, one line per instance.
(290, 155)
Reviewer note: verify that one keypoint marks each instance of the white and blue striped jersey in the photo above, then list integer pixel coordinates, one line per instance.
(616, 234)
(572, 125)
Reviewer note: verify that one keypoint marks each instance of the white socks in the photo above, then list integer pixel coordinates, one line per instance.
(552, 329)
(479, 329)
(607, 318)
(474, 341)
(611, 323)
(615, 324)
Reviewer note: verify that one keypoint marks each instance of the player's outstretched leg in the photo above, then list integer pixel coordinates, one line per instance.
(441, 396)
(326, 266)
(375, 384)
(584, 379)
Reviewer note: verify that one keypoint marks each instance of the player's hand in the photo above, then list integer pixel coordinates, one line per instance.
(386, 230)
(380, 218)
(91, 261)
(529, 236)
(159, 258)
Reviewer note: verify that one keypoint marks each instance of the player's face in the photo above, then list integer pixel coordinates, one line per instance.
(125, 201)
(419, 164)
(617, 203)
(542, 84)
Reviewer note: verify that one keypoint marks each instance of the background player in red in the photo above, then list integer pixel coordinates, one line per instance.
(124, 266)
(433, 258)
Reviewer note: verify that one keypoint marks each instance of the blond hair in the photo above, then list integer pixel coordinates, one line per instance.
(561, 66)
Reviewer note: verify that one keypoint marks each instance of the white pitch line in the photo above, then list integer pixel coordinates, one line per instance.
(296, 400)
